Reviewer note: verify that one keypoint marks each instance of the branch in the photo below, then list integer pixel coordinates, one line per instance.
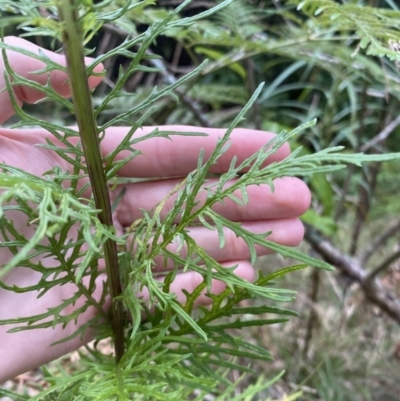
(365, 191)
(313, 316)
(81, 96)
(378, 242)
(351, 268)
(359, 133)
(188, 101)
(384, 265)
(382, 135)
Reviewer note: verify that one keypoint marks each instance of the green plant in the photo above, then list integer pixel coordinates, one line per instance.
(178, 352)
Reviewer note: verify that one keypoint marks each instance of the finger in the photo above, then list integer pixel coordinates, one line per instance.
(160, 157)
(288, 232)
(32, 348)
(290, 198)
(189, 281)
(26, 66)
(178, 155)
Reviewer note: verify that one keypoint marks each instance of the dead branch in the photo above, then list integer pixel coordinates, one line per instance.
(351, 268)
(384, 265)
(378, 242)
(382, 135)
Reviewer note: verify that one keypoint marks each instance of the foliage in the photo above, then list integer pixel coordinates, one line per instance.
(329, 92)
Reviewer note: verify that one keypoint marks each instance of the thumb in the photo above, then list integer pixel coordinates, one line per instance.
(26, 66)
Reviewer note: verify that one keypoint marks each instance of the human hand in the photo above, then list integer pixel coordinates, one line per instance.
(277, 212)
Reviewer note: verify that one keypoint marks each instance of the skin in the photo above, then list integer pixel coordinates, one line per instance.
(277, 212)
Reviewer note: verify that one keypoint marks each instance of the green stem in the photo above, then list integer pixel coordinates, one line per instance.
(81, 96)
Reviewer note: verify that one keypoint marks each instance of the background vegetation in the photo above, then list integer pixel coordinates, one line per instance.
(330, 60)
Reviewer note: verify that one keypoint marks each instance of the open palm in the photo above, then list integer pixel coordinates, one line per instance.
(169, 159)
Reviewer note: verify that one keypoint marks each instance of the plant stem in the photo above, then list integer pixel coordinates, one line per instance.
(81, 96)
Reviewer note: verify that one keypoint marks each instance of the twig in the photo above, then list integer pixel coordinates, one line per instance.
(359, 133)
(365, 191)
(378, 242)
(177, 55)
(344, 192)
(313, 316)
(382, 135)
(107, 42)
(278, 6)
(350, 267)
(361, 213)
(384, 265)
(188, 101)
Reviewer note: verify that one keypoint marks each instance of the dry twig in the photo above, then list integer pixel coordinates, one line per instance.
(352, 268)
